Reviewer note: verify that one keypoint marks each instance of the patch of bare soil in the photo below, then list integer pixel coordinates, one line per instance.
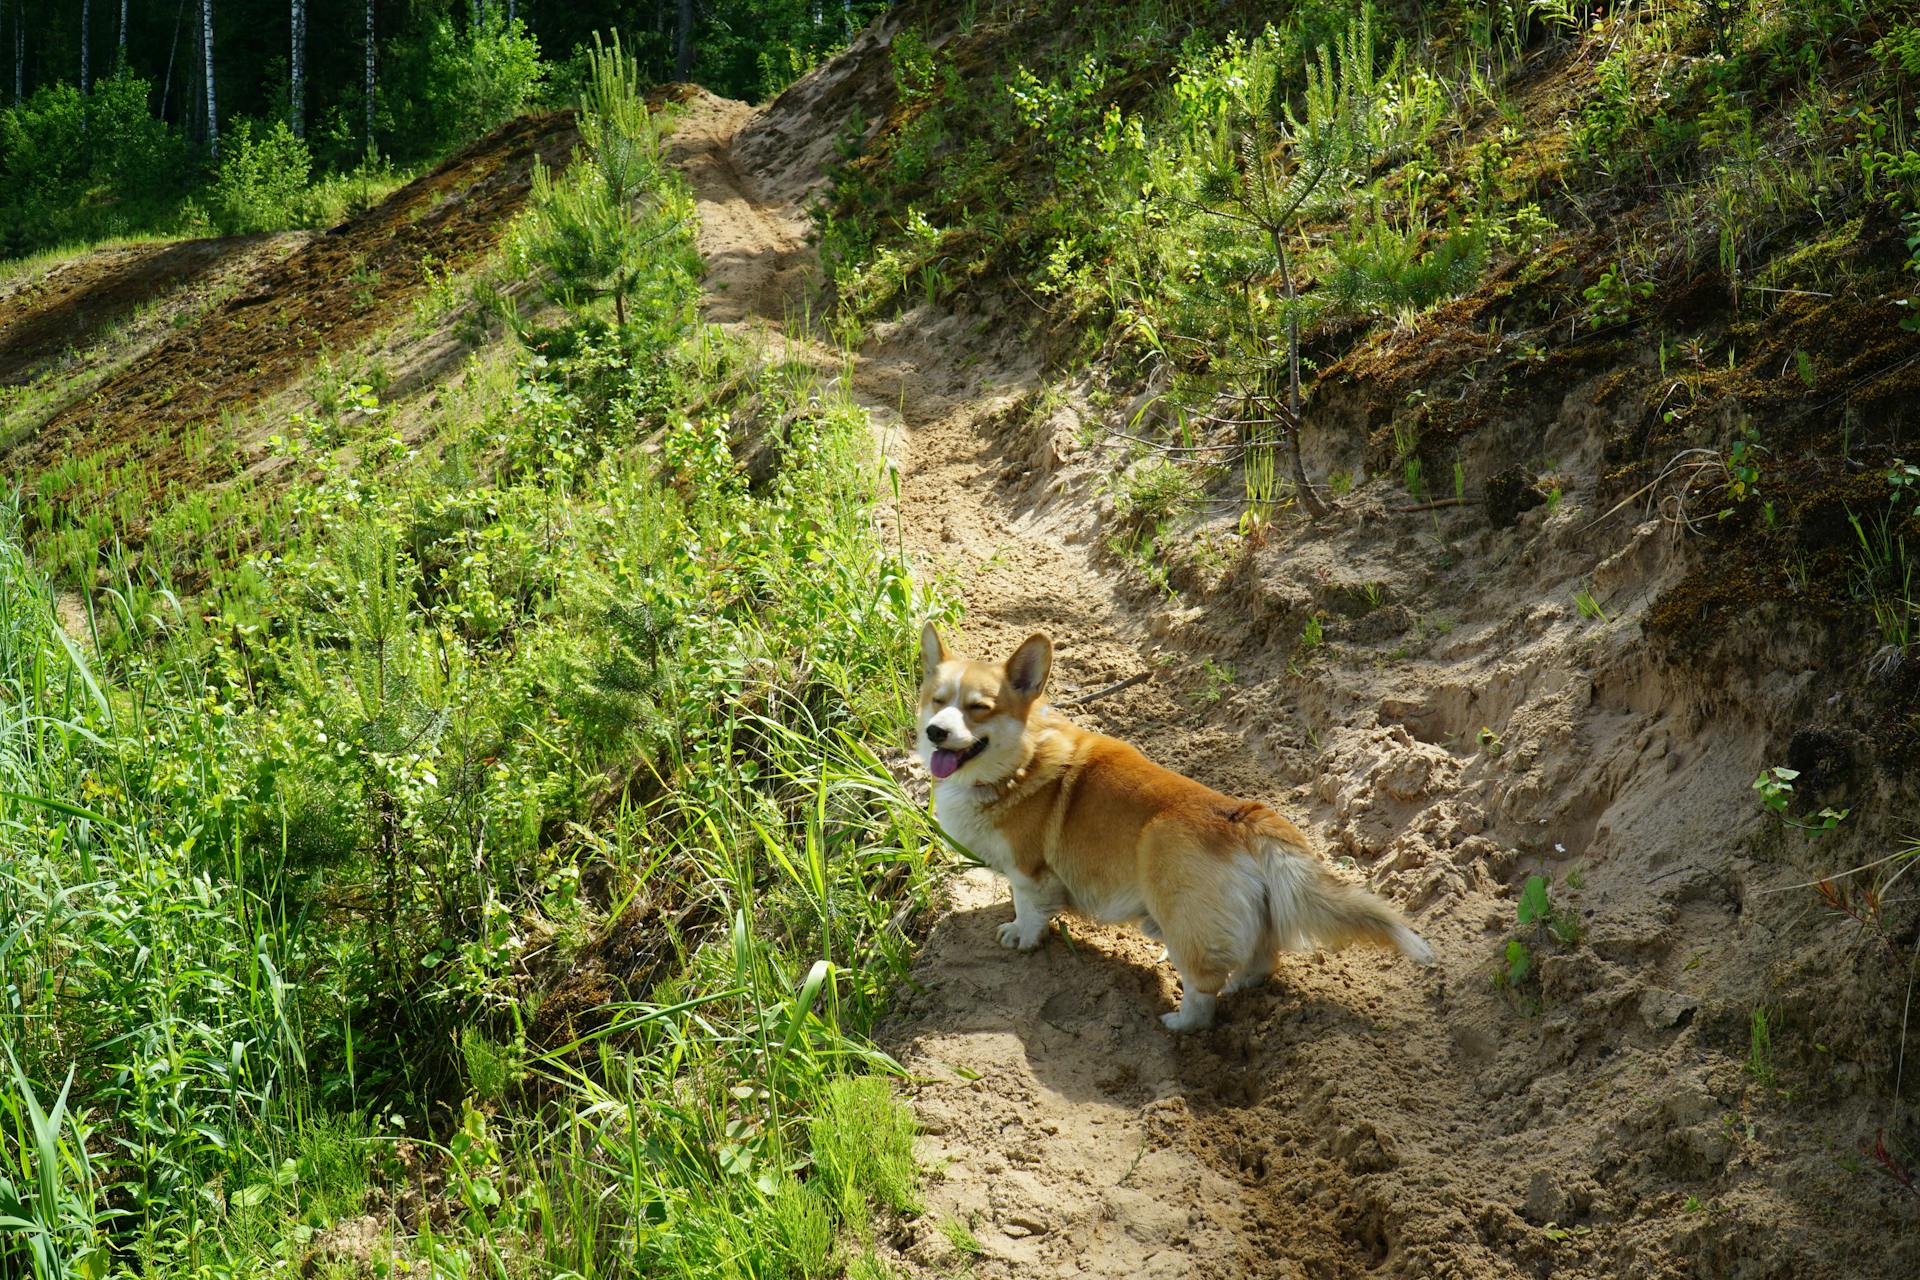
(65, 308)
(330, 295)
(1462, 723)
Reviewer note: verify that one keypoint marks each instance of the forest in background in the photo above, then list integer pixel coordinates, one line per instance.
(148, 117)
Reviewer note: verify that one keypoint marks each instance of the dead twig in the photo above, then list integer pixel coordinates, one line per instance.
(1113, 688)
(1687, 460)
(1435, 505)
(1176, 448)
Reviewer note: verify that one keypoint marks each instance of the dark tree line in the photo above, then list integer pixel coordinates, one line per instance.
(206, 60)
(185, 116)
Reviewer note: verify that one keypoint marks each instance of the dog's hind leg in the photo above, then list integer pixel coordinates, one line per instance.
(1201, 977)
(1258, 967)
(1151, 928)
(1212, 913)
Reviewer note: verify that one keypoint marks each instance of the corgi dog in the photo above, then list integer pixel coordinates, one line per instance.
(1079, 821)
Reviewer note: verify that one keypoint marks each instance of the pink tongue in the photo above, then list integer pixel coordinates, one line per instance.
(944, 763)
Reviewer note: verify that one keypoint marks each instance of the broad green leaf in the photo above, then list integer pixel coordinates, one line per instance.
(1534, 907)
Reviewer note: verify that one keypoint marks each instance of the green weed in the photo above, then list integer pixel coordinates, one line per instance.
(1538, 918)
(1215, 680)
(1537, 908)
(1774, 786)
(1882, 574)
(863, 1148)
(1613, 298)
(1153, 494)
(960, 1235)
(1760, 1048)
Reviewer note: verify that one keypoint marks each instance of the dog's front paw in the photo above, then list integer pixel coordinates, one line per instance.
(1013, 935)
(1194, 1014)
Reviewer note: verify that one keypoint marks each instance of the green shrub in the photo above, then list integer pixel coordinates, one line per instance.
(448, 86)
(1154, 492)
(1385, 268)
(613, 227)
(84, 167)
(262, 176)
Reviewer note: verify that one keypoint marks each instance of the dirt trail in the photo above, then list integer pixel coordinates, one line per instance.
(1068, 1132)
(1452, 723)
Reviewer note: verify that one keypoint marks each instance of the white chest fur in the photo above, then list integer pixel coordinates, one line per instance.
(956, 804)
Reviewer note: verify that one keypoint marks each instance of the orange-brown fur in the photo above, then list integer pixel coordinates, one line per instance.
(1082, 821)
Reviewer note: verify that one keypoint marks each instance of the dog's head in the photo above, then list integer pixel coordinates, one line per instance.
(973, 714)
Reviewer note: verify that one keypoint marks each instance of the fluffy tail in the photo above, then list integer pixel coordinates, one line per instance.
(1308, 906)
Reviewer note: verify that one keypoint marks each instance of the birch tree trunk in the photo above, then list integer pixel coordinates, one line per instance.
(123, 32)
(369, 85)
(206, 44)
(86, 21)
(19, 51)
(297, 89)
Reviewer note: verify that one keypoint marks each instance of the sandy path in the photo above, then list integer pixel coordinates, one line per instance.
(1066, 1130)
(1355, 1117)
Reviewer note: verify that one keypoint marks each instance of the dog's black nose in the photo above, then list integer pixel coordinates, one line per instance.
(936, 733)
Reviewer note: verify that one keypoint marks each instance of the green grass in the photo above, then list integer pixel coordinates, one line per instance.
(863, 1148)
(960, 1235)
(301, 840)
(39, 261)
(1153, 493)
(1760, 1047)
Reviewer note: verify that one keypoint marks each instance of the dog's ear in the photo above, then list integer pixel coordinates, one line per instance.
(933, 650)
(1029, 666)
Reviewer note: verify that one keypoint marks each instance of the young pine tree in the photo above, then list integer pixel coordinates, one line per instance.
(594, 230)
(1286, 165)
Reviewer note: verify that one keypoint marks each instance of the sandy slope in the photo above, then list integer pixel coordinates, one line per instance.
(1357, 1116)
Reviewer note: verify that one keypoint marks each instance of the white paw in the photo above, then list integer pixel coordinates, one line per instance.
(1244, 982)
(1012, 935)
(1185, 1019)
